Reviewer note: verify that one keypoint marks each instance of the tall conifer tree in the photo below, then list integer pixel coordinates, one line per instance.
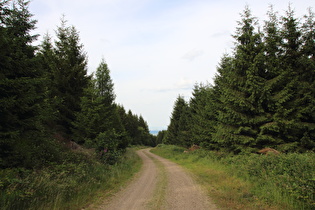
(66, 67)
(288, 97)
(143, 124)
(21, 87)
(304, 100)
(264, 92)
(106, 95)
(203, 115)
(269, 134)
(98, 113)
(177, 125)
(242, 111)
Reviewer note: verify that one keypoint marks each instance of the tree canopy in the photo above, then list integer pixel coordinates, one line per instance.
(263, 93)
(48, 100)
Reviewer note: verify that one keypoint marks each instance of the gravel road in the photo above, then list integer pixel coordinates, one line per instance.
(161, 184)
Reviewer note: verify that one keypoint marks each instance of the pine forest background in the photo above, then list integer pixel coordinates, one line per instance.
(263, 93)
(48, 102)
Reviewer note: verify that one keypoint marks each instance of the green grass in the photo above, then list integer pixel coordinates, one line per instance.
(251, 181)
(71, 185)
(159, 194)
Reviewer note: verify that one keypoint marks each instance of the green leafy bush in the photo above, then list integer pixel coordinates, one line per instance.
(291, 174)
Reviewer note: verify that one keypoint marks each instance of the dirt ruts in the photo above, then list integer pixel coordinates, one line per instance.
(161, 184)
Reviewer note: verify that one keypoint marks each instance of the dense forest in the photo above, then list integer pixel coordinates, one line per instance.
(263, 94)
(63, 138)
(48, 101)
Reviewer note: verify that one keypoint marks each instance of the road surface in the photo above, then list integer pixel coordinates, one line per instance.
(161, 184)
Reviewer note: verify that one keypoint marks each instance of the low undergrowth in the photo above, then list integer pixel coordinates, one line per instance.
(285, 181)
(75, 183)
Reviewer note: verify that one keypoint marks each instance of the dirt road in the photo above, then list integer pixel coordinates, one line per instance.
(161, 184)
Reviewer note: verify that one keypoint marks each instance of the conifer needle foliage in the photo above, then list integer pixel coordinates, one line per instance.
(48, 102)
(263, 94)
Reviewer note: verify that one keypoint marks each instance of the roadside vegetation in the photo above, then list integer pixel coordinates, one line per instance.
(284, 181)
(78, 182)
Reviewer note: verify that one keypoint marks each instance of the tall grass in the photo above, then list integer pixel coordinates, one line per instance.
(285, 181)
(70, 185)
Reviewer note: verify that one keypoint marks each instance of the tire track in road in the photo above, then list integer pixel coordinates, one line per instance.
(137, 195)
(182, 192)
(161, 184)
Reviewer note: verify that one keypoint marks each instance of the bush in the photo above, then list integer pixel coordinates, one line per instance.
(292, 174)
(286, 178)
(66, 185)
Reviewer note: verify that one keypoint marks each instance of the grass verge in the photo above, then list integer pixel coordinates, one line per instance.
(254, 181)
(159, 193)
(71, 185)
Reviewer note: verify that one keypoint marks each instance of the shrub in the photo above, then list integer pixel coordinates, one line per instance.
(276, 178)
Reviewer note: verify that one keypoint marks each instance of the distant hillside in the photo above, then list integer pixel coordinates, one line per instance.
(154, 132)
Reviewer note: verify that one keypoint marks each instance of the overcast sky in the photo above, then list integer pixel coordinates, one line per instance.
(155, 49)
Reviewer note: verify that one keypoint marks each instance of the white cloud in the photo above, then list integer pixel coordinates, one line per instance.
(193, 54)
(184, 83)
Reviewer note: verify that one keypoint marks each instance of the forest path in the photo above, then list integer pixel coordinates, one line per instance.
(161, 184)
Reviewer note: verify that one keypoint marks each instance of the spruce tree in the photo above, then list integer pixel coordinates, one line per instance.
(289, 101)
(131, 126)
(137, 128)
(21, 88)
(308, 37)
(177, 123)
(160, 137)
(104, 83)
(46, 58)
(224, 125)
(203, 116)
(269, 133)
(242, 111)
(68, 69)
(86, 124)
(184, 135)
(143, 124)
(106, 95)
(305, 96)
(98, 113)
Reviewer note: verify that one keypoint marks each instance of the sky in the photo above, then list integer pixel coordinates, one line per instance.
(156, 50)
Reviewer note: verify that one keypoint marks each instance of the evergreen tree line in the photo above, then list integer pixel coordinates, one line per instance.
(263, 93)
(47, 99)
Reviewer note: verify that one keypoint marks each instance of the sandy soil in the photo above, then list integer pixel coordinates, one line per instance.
(181, 191)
